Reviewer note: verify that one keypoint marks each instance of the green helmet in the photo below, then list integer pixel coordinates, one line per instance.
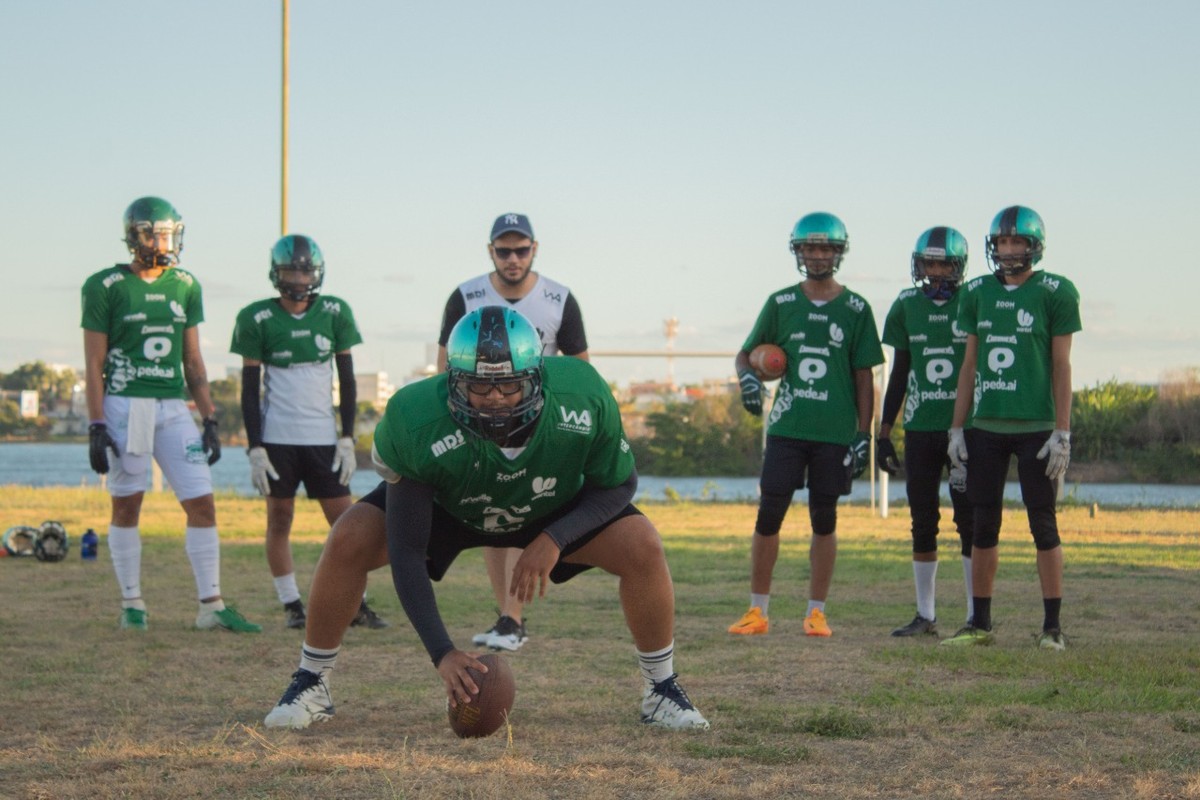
(819, 228)
(945, 245)
(489, 347)
(1017, 221)
(144, 219)
(297, 252)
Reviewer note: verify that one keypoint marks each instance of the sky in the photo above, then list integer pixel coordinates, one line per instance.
(662, 150)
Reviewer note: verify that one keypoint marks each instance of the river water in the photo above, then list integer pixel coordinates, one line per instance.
(67, 465)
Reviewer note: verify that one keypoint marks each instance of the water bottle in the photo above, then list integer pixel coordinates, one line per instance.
(88, 544)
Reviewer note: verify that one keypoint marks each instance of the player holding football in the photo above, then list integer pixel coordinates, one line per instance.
(921, 327)
(1019, 324)
(141, 344)
(290, 345)
(554, 312)
(470, 460)
(819, 427)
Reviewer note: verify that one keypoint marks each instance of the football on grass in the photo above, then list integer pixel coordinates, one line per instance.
(489, 709)
(769, 361)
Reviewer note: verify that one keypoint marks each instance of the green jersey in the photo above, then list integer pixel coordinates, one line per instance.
(577, 439)
(1015, 327)
(144, 322)
(297, 355)
(929, 332)
(825, 344)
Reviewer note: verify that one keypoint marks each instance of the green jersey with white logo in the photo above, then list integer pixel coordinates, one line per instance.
(578, 439)
(144, 322)
(824, 345)
(297, 355)
(929, 332)
(1015, 328)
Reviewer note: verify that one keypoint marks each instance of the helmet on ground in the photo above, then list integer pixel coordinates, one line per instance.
(495, 347)
(145, 220)
(1017, 221)
(52, 542)
(824, 229)
(300, 253)
(19, 540)
(940, 245)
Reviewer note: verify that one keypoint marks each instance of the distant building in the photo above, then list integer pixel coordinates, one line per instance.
(373, 388)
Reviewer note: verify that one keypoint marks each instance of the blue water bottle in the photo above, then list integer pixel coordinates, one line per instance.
(88, 544)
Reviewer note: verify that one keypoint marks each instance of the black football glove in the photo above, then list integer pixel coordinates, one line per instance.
(856, 456)
(885, 456)
(98, 443)
(752, 392)
(210, 442)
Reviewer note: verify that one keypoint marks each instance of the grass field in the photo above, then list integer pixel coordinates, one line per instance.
(92, 712)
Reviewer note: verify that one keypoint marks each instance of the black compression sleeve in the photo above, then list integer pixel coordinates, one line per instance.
(347, 391)
(571, 337)
(409, 517)
(456, 309)
(897, 383)
(596, 506)
(251, 412)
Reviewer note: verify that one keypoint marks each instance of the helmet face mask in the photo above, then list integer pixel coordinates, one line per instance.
(946, 248)
(153, 232)
(297, 254)
(1022, 222)
(494, 354)
(819, 228)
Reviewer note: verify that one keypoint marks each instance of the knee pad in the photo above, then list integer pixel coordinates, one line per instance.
(987, 526)
(772, 508)
(1043, 522)
(822, 512)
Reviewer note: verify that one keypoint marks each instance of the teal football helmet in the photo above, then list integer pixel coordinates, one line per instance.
(1017, 221)
(819, 228)
(300, 253)
(146, 218)
(940, 245)
(495, 349)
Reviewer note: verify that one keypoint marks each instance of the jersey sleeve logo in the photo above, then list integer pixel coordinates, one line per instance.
(857, 303)
(575, 421)
(448, 443)
(331, 306)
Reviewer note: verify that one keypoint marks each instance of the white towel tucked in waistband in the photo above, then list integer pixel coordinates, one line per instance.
(142, 412)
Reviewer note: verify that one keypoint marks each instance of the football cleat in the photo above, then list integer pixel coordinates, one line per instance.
(666, 705)
(918, 626)
(816, 625)
(133, 619)
(307, 700)
(508, 634)
(367, 618)
(969, 636)
(752, 623)
(1052, 639)
(228, 619)
(293, 614)
(480, 639)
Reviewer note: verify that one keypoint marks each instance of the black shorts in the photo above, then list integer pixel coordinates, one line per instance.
(307, 463)
(449, 537)
(791, 464)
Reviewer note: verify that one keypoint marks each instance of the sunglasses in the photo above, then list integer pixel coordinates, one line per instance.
(503, 253)
(507, 389)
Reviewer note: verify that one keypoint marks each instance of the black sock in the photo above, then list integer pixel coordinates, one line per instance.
(982, 618)
(1052, 605)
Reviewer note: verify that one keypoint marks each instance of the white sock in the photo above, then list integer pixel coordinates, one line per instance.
(286, 589)
(314, 659)
(125, 547)
(969, 580)
(212, 605)
(659, 665)
(817, 604)
(139, 604)
(760, 600)
(204, 551)
(925, 576)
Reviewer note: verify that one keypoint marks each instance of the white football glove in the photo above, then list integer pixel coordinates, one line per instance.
(958, 479)
(1058, 450)
(260, 468)
(957, 449)
(345, 461)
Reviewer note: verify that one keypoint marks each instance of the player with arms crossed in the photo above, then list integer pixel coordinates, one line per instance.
(142, 344)
(1016, 376)
(470, 460)
(922, 329)
(818, 431)
(554, 312)
(290, 344)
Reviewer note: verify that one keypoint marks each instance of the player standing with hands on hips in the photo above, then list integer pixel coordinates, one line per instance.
(141, 345)
(1016, 377)
(818, 432)
(554, 312)
(290, 344)
(922, 328)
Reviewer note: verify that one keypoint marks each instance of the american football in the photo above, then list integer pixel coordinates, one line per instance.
(488, 712)
(769, 361)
